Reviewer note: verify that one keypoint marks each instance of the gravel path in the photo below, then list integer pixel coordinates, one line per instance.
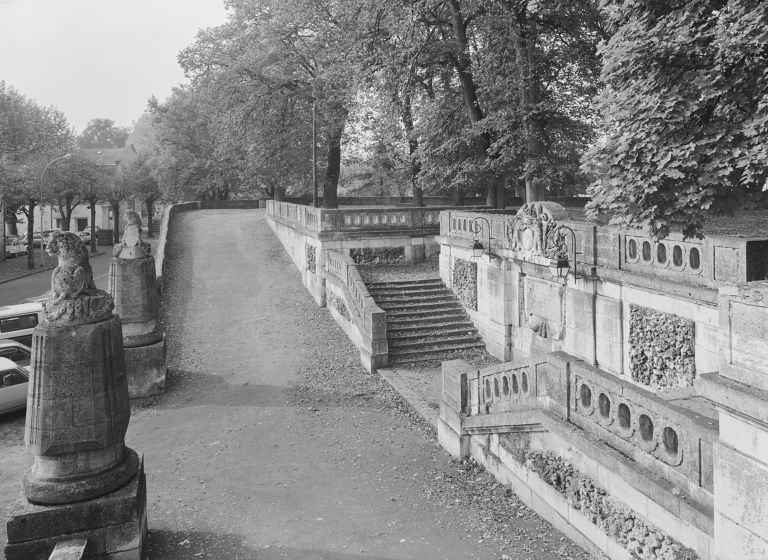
(273, 442)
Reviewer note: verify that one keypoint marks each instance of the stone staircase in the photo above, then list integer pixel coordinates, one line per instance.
(425, 321)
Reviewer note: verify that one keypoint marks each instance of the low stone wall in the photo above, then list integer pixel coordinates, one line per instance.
(332, 279)
(518, 420)
(174, 209)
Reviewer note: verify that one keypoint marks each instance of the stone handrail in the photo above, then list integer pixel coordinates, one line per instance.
(609, 251)
(370, 318)
(357, 219)
(656, 433)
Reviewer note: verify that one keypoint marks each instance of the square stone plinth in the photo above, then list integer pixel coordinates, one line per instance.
(145, 368)
(115, 525)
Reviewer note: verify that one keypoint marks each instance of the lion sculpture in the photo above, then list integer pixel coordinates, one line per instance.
(73, 276)
(132, 246)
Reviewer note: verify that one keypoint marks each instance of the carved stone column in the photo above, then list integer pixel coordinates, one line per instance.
(83, 479)
(133, 286)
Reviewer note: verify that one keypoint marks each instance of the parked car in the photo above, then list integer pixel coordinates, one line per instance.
(14, 381)
(18, 321)
(17, 352)
(85, 235)
(15, 246)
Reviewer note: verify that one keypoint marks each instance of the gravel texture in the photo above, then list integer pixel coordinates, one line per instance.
(273, 442)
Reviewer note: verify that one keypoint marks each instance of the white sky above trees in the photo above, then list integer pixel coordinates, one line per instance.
(99, 58)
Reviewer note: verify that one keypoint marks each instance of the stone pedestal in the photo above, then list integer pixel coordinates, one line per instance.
(145, 367)
(77, 412)
(84, 484)
(741, 455)
(133, 286)
(114, 525)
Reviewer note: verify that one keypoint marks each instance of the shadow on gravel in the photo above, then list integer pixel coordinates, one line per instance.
(12, 428)
(184, 545)
(186, 388)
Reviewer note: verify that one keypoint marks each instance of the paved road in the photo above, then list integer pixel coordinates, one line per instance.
(272, 442)
(15, 291)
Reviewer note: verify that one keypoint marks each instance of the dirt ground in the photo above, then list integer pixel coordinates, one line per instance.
(273, 442)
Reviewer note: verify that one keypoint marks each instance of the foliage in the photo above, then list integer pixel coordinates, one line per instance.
(685, 113)
(102, 133)
(187, 161)
(68, 181)
(261, 72)
(30, 137)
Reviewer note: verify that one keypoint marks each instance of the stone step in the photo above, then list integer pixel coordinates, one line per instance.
(416, 308)
(434, 354)
(404, 327)
(406, 284)
(406, 318)
(392, 302)
(398, 347)
(400, 292)
(431, 330)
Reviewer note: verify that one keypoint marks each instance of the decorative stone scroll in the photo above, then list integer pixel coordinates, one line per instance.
(534, 229)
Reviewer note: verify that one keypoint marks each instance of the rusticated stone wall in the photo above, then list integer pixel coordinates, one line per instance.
(465, 282)
(311, 257)
(661, 348)
(338, 304)
(620, 523)
(378, 255)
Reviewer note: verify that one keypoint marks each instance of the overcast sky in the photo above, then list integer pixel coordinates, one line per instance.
(98, 58)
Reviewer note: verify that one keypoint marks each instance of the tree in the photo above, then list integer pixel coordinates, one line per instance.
(102, 133)
(138, 175)
(68, 181)
(30, 137)
(188, 162)
(266, 67)
(92, 192)
(684, 131)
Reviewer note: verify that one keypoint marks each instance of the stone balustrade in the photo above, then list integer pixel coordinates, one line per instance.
(351, 220)
(367, 322)
(609, 251)
(660, 434)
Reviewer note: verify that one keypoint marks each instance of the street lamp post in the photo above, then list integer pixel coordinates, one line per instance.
(32, 241)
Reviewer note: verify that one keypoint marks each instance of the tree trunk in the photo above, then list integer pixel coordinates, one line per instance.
(279, 194)
(92, 203)
(501, 202)
(490, 194)
(530, 97)
(2, 227)
(418, 195)
(31, 234)
(458, 196)
(406, 116)
(333, 170)
(115, 221)
(463, 64)
(150, 204)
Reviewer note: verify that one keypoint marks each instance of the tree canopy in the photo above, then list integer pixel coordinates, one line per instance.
(102, 133)
(684, 129)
